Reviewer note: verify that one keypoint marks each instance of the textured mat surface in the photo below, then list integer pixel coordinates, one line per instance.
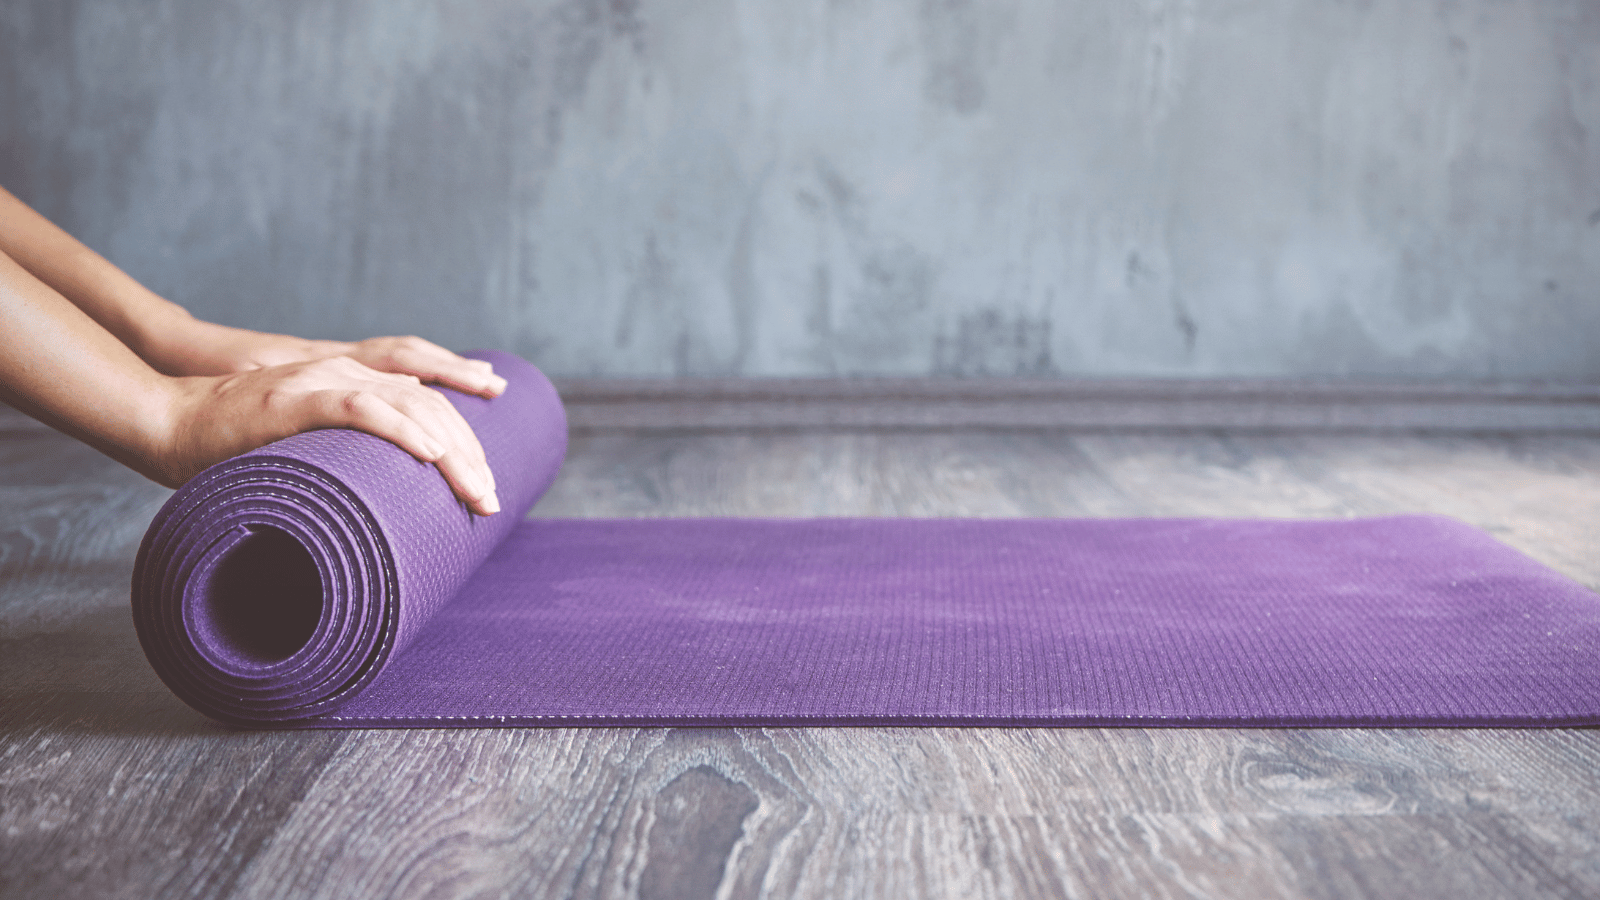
(330, 581)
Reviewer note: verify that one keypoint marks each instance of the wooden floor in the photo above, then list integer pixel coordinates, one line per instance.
(109, 787)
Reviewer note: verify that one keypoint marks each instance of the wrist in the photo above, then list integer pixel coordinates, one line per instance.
(166, 338)
(161, 423)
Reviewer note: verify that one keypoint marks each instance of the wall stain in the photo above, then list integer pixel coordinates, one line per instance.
(1136, 271)
(583, 28)
(840, 192)
(888, 284)
(649, 282)
(989, 343)
(819, 317)
(950, 35)
(1186, 325)
(893, 290)
(680, 354)
(896, 280)
(744, 290)
(1169, 29)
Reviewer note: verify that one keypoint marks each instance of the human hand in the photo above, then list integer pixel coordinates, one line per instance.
(212, 418)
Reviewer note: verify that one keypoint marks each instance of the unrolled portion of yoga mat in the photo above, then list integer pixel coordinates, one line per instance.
(330, 581)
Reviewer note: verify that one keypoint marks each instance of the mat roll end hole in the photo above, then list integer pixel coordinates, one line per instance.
(263, 599)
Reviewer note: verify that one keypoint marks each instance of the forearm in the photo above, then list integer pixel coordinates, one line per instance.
(148, 324)
(59, 366)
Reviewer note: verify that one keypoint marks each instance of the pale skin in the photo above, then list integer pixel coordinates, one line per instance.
(88, 350)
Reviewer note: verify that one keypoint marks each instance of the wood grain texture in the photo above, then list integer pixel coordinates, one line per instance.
(109, 787)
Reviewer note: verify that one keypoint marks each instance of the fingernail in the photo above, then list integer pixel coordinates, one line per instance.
(497, 384)
(434, 450)
(490, 504)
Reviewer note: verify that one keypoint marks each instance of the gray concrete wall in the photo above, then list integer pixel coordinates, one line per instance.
(819, 187)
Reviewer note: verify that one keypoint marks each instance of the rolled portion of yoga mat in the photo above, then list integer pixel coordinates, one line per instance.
(276, 585)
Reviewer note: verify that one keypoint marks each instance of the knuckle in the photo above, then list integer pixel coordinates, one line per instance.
(355, 403)
(274, 395)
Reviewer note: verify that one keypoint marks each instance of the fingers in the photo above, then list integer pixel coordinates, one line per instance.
(467, 479)
(417, 419)
(367, 412)
(463, 462)
(431, 363)
(215, 417)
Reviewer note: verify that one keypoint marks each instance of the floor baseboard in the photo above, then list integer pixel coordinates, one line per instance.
(733, 403)
(600, 404)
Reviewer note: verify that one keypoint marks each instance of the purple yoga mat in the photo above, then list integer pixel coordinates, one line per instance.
(329, 580)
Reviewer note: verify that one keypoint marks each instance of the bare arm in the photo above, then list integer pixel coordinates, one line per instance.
(74, 361)
(173, 342)
(58, 366)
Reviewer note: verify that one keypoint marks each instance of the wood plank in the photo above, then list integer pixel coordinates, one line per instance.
(1545, 504)
(943, 812)
(110, 787)
(839, 473)
(114, 793)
